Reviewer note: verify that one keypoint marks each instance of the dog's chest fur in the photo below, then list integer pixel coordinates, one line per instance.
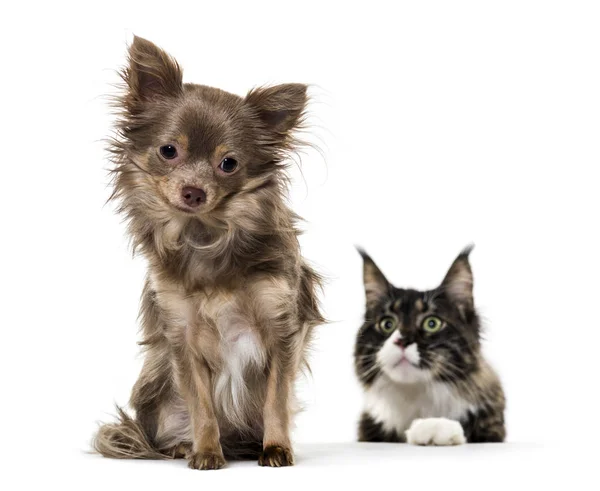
(395, 406)
(229, 329)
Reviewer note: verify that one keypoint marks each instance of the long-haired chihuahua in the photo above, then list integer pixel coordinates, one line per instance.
(229, 304)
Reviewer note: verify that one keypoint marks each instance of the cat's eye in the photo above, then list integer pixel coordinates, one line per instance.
(228, 165)
(168, 152)
(387, 325)
(432, 324)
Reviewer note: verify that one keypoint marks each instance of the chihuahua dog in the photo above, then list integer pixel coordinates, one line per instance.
(229, 304)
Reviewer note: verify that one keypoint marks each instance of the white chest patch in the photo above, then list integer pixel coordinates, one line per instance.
(241, 350)
(234, 346)
(396, 406)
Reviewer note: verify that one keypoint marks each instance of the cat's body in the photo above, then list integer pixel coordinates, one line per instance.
(418, 358)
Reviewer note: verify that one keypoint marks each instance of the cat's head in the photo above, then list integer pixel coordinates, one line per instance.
(412, 336)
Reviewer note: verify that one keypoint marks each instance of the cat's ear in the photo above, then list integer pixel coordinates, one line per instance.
(151, 74)
(458, 283)
(376, 284)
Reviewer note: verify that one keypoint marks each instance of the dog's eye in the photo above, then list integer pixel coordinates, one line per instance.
(169, 152)
(228, 165)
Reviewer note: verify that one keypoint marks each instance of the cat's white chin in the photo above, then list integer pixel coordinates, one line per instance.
(401, 365)
(406, 373)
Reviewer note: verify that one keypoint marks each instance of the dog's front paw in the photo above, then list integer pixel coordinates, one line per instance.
(435, 431)
(206, 461)
(276, 456)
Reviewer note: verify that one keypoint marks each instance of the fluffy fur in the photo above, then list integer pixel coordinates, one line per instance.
(229, 304)
(418, 357)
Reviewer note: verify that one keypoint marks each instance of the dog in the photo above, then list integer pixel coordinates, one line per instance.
(229, 305)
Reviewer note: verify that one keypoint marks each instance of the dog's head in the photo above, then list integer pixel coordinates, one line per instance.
(188, 150)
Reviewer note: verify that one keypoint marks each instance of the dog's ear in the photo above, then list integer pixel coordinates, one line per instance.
(280, 108)
(152, 74)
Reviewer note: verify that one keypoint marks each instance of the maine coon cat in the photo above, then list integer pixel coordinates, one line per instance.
(229, 304)
(418, 358)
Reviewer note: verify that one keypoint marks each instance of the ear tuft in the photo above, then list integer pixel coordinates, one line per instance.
(458, 283)
(151, 74)
(376, 285)
(281, 107)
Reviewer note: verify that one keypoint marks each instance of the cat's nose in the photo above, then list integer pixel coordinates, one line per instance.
(400, 342)
(192, 197)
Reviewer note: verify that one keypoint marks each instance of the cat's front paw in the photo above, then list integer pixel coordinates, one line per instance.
(206, 461)
(435, 431)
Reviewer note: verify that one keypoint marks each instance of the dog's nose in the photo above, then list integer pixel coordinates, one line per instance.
(192, 197)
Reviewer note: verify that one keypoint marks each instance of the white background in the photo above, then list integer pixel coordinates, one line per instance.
(440, 124)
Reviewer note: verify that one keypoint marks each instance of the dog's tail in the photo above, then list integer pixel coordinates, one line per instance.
(125, 439)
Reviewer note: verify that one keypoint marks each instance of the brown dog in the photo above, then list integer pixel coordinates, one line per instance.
(229, 304)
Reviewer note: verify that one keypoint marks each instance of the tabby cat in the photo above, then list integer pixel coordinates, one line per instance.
(418, 358)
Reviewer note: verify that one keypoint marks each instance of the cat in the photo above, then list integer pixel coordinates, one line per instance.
(418, 358)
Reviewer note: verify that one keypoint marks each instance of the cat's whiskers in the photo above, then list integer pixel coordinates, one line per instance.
(370, 370)
(371, 345)
(370, 355)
